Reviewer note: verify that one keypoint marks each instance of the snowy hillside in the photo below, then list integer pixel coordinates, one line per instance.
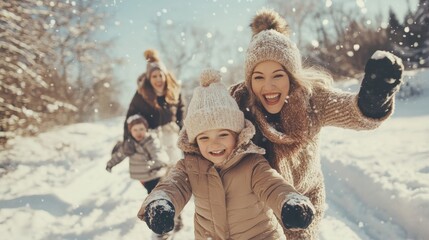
(377, 182)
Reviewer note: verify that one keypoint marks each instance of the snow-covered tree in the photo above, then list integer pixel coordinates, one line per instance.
(52, 65)
(410, 40)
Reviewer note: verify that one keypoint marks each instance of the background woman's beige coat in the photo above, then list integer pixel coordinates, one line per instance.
(234, 202)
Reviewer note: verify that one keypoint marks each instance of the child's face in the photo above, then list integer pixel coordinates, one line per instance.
(217, 144)
(138, 131)
(270, 84)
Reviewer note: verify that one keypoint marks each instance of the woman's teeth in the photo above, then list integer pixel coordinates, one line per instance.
(272, 98)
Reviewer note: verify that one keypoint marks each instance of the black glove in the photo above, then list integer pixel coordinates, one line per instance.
(297, 213)
(159, 216)
(383, 76)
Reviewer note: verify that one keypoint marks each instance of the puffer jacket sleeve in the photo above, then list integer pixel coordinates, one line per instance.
(156, 152)
(337, 108)
(270, 186)
(117, 155)
(175, 188)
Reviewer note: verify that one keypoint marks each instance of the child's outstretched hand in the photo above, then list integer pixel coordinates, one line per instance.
(108, 168)
(159, 216)
(297, 212)
(383, 77)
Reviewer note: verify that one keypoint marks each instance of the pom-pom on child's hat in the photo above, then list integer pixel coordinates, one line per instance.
(211, 107)
(153, 62)
(271, 42)
(136, 119)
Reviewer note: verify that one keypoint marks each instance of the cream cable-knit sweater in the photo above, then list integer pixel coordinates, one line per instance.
(294, 149)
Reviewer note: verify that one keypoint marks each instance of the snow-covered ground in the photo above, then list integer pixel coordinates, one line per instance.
(377, 182)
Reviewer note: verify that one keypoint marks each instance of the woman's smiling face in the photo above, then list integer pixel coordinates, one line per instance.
(270, 84)
(158, 81)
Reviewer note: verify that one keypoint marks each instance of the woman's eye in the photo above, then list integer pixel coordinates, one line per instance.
(258, 78)
(278, 76)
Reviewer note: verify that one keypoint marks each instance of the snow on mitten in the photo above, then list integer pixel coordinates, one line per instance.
(159, 216)
(297, 212)
(383, 76)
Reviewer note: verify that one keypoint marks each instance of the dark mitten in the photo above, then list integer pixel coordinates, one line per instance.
(383, 76)
(159, 216)
(108, 168)
(297, 212)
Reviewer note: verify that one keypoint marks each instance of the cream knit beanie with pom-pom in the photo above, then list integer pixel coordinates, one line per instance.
(153, 62)
(271, 41)
(211, 107)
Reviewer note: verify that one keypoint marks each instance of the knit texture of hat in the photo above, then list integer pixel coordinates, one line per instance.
(153, 62)
(271, 41)
(211, 107)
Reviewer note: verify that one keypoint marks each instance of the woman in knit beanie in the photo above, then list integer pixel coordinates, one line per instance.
(237, 194)
(290, 103)
(159, 101)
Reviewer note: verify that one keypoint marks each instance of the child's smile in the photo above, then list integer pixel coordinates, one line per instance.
(216, 145)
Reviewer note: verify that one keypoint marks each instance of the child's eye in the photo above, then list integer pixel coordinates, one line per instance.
(202, 138)
(224, 134)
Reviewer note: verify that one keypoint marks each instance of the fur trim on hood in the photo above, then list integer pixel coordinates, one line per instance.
(293, 132)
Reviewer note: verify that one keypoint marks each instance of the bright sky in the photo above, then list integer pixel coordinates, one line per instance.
(132, 28)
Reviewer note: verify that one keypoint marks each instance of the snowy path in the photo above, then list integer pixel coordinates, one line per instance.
(377, 187)
(377, 183)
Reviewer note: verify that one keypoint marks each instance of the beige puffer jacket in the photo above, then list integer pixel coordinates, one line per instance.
(234, 202)
(294, 150)
(149, 161)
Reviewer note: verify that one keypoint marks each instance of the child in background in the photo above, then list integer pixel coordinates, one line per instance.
(148, 163)
(237, 194)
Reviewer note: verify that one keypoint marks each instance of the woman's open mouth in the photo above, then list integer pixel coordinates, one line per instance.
(272, 98)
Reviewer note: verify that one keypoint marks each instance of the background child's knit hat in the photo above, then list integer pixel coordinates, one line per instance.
(136, 119)
(153, 62)
(270, 41)
(211, 107)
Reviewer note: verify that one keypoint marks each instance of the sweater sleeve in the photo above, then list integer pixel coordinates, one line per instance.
(340, 109)
(270, 186)
(175, 188)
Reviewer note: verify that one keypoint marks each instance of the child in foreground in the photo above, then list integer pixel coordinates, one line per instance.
(237, 194)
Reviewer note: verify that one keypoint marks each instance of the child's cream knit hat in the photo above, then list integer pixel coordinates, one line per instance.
(271, 41)
(211, 107)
